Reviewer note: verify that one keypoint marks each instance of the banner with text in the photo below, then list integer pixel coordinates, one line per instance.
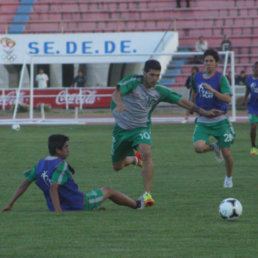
(83, 47)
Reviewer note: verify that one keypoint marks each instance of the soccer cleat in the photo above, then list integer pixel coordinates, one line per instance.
(217, 151)
(185, 120)
(148, 200)
(228, 184)
(254, 151)
(138, 159)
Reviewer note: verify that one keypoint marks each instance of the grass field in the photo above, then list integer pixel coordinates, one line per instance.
(187, 188)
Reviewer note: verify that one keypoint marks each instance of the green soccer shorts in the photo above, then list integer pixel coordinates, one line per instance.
(93, 199)
(125, 141)
(223, 131)
(253, 118)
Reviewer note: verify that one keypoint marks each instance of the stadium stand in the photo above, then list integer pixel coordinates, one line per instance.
(7, 13)
(237, 19)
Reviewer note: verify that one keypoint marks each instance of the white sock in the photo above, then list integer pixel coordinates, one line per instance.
(228, 178)
(136, 161)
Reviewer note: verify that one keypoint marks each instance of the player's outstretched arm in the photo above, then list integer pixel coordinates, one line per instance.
(21, 189)
(194, 108)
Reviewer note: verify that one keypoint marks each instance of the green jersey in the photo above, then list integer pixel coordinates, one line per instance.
(140, 101)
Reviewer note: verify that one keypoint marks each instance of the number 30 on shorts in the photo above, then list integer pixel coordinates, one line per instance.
(145, 135)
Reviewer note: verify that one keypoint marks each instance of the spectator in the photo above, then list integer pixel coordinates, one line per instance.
(241, 78)
(201, 45)
(42, 79)
(178, 3)
(79, 80)
(188, 85)
(226, 44)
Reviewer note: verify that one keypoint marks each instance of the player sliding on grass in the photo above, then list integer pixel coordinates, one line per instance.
(211, 90)
(54, 176)
(132, 103)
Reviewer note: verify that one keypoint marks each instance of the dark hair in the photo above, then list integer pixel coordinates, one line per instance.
(152, 64)
(56, 141)
(195, 68)
(256, 63)
(213, 53)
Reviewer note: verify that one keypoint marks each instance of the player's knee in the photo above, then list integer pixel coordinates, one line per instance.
(116, 167)
(199, 147)
(107, 191)
(146, 155)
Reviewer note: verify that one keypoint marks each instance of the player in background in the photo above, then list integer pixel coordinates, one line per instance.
(133, 101)
(252, 89)
(188, 85)
(211, 90)
(54, 176)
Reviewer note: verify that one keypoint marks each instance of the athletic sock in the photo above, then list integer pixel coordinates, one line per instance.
(229, 178)
(138, 204)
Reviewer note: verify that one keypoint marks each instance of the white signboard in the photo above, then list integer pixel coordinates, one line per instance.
(83, 48)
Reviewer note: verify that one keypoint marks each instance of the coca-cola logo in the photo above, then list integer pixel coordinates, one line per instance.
(86, 97)
(10, 98)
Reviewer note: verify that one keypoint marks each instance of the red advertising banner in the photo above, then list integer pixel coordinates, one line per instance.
(59, 98)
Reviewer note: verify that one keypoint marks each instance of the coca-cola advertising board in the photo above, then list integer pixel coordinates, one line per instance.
(59, 98)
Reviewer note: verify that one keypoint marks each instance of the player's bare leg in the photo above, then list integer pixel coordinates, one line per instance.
(253, 133)
(124, 162)
(226, 152)
(201, 146)
(147, 166)
(147, 172)
(120, 198)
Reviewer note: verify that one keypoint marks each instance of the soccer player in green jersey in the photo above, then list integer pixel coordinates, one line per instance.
(211, 90)
(54, 176)
(132, 103)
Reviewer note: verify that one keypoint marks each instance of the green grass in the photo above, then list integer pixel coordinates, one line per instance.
(187, 188)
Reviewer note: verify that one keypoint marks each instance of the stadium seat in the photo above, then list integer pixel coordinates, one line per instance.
(237, 19)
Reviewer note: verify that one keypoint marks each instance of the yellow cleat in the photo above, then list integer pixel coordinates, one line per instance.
(253, 151)
(148, 200)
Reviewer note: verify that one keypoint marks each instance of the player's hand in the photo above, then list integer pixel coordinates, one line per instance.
(7, 208)
(121, 108)
(214, 113)
(207, 87)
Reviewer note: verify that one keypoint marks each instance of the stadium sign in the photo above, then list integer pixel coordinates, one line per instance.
(59, 98)
(84, 47)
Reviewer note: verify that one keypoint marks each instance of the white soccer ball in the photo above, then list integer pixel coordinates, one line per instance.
(16, 127)
(230, 209)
